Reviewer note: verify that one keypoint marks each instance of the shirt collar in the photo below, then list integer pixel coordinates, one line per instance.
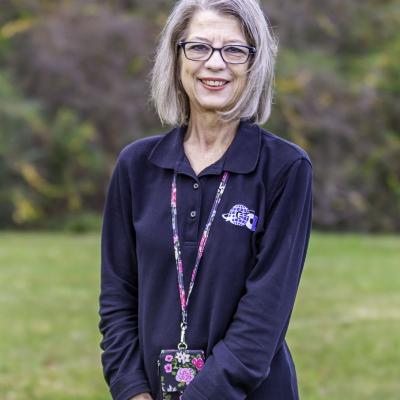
(240, 157)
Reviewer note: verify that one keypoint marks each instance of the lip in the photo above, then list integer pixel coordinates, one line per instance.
(213, 88)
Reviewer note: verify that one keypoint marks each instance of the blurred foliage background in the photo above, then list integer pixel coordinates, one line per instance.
(74, 89)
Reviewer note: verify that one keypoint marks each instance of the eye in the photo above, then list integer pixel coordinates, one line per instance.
(198, 47)
(236, 50)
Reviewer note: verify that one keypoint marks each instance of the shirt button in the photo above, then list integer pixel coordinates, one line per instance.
(192, 214)
(195, 185)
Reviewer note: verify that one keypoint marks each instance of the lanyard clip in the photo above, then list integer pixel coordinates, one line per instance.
(182, 345)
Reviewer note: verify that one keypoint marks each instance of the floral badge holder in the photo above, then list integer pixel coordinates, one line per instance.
(177, 368)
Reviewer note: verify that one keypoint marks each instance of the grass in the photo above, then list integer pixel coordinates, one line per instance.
(344, 333)
(345, 328)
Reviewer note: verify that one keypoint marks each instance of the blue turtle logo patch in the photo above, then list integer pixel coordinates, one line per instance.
(240, 215)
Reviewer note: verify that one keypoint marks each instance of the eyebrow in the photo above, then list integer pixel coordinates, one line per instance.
(202, 39)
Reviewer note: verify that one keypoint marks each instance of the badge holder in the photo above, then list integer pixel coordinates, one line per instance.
(178, 367)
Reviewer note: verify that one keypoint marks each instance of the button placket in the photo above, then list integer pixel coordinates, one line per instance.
(193, 207)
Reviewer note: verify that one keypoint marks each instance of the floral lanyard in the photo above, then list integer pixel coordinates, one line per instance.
(179, 264)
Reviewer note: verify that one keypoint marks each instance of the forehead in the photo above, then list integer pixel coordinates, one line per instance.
(213, 26)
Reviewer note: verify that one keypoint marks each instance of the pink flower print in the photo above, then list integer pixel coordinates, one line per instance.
(168, 368)
(198, 363)
(184, 375)
(169, 357)
(202, 243)
(182, 296)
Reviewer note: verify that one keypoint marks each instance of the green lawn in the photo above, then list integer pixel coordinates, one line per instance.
(344, 334)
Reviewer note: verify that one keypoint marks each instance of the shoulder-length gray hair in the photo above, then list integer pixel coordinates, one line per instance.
(168, 94)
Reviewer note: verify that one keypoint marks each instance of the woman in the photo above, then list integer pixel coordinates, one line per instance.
(240, 265)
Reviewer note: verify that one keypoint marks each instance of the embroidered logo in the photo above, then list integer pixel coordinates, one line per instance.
(240, 215)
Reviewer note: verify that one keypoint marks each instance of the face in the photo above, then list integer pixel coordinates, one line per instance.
(200, 77)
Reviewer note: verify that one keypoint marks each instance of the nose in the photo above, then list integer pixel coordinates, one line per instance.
(215, 61)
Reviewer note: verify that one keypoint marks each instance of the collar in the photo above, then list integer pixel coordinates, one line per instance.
(240, 157)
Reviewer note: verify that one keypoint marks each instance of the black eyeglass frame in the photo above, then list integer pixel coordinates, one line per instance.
(252, 51)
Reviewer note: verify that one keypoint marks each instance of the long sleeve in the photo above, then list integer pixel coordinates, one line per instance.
(241, 360)
(121, 357)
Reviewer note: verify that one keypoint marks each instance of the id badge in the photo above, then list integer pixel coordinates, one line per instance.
(177, 368)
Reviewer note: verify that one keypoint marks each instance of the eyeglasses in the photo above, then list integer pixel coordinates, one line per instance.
(231, 54)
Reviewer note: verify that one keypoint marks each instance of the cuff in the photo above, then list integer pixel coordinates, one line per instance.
(128, 386)
(191, 393)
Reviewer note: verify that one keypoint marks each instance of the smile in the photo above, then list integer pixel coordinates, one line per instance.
(214, 83)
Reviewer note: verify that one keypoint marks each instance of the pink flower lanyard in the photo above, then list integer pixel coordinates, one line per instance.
(179, 264)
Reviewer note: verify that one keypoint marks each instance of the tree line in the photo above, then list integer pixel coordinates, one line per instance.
(74, 89)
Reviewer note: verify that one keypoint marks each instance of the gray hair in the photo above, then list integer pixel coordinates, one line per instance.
(168, 94)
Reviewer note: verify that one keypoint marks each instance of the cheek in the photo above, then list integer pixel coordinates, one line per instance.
(243, 78)
(240, 83)
(185, 81)
(187, 77)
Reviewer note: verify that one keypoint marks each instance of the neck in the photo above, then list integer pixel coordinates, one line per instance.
(207, 132)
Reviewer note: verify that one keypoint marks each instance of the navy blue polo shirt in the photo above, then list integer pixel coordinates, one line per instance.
(247, 280)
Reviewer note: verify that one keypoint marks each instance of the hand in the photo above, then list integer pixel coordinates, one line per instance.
(142, 396)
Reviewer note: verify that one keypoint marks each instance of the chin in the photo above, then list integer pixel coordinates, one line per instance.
(215, 105)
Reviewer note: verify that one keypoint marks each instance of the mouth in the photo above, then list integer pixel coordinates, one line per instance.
(213, 83)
